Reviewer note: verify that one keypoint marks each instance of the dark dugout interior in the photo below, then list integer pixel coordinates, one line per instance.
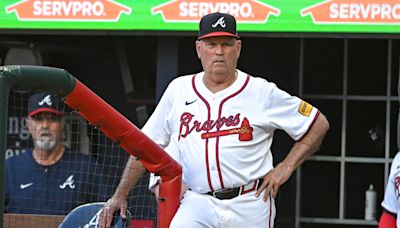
(353, 80)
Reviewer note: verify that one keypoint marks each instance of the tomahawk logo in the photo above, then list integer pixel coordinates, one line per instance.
(220, 22)
(46, 100)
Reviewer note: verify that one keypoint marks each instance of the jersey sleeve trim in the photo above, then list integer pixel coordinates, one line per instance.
(389, 212)
(311, 125)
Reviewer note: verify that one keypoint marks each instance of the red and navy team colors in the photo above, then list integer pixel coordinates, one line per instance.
(54, 190)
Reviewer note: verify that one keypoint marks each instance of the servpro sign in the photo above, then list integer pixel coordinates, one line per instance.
(339, 16)
(355, 12)
(192, 10)
(70, 10)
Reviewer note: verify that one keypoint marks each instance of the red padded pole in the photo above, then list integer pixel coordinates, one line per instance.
(132, 140)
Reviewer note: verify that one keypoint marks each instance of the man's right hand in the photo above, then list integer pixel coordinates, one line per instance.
(114, 204)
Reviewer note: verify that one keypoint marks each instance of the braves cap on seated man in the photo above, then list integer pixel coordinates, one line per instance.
(45, 102)
(49, 178)
(88, 215)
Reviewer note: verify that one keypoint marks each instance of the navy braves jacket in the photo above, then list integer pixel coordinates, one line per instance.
(54, 190)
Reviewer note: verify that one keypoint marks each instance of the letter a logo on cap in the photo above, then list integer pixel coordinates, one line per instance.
(46, 100)
(221, 22)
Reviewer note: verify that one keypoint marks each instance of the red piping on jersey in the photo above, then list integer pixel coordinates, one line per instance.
(270, 210)
(209, 117)
(219, 116)
(244, 191)
(312, 123)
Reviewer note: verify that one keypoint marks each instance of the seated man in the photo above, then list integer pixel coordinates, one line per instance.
(50, 179)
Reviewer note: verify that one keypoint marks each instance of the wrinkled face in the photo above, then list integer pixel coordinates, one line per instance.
(218, 55)
(46, 130)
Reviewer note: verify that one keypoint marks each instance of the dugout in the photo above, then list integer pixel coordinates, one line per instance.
(350, 72)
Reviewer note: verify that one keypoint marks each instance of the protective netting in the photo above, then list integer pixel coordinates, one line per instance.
(88, 170)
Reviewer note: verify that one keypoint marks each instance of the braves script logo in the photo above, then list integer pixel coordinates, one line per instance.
(187, 126)
(220, 22)
(354, 12)
(46, 100)
(68, 10)
(251, 11)
(397, 186)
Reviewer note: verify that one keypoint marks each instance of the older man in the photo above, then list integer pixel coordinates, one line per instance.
(222, 123)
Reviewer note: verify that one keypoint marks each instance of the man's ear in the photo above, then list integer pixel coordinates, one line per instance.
(63, 131)
(63, 123)
(30, 124)
(198, 48)
(239, 47)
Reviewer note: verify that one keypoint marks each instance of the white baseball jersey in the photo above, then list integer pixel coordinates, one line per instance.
(223, 139)
(391, 201)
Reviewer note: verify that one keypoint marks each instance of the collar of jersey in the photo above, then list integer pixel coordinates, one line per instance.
(204, 91)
